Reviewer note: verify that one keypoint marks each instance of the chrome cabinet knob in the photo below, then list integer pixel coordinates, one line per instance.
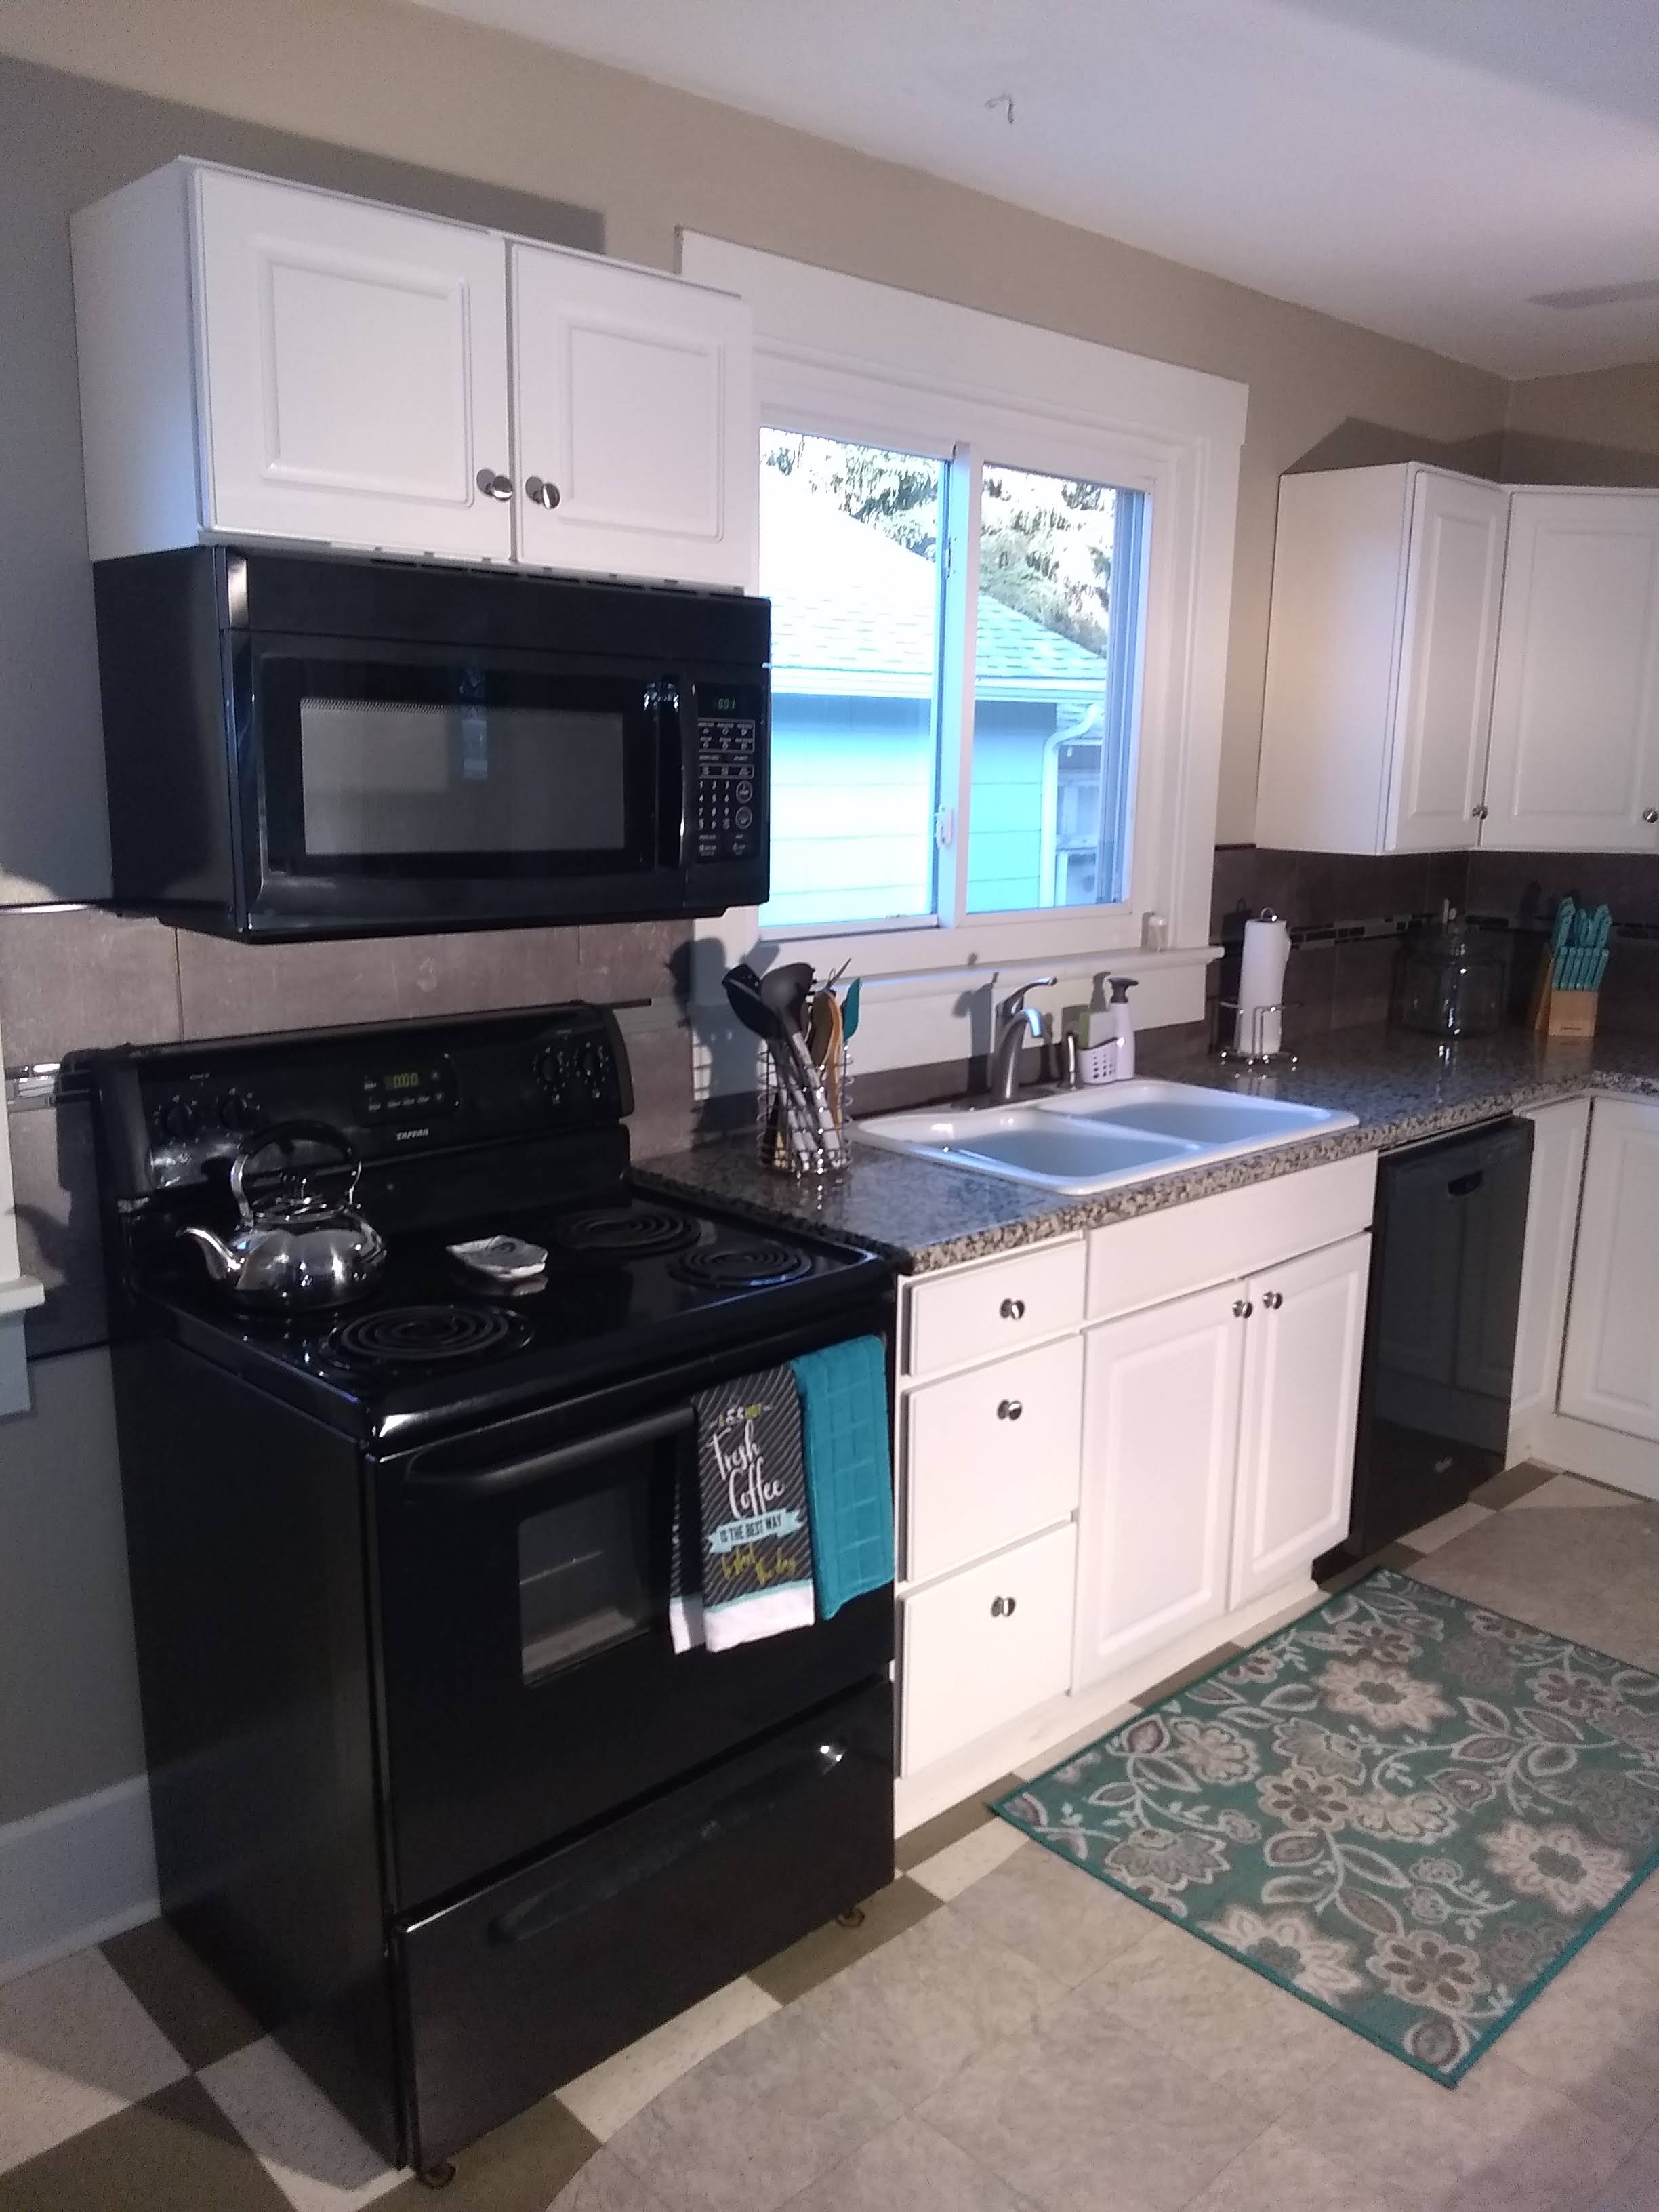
(1242, 1308)
(494, 486)
(1272, 1300)
(1010, 1410)
(544, 494)
(1650, 814)
(1002, 1607)
(1012, 1308)
(1478, 813)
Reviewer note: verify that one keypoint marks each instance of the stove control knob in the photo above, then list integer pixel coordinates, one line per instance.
(236, 1111)
(179, 1119)
(552, 1071)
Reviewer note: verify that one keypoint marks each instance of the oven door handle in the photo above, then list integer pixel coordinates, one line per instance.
(519, 1473)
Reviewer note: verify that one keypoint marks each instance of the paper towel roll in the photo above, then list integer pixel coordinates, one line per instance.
(1261, 983)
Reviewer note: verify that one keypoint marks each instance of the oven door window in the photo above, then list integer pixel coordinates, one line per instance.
(591, 1574)
(465, 768)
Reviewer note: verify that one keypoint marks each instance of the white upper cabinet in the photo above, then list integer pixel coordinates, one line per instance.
(258, 359)
(1382, 642)
(353, 364)
(1575, 731)
(635, 421)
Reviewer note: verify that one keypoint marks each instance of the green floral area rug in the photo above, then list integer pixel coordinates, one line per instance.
(1404, 1808)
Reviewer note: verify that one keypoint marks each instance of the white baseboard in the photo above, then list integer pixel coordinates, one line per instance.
(1021, 1743)
(1603, 1454)
(75, 1873)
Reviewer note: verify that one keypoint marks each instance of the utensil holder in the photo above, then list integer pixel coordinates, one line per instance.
(788, 1138)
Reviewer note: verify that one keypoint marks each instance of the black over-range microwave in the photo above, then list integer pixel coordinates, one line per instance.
(304, 745)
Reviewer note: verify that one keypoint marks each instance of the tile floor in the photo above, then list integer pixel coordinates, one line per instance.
(999, 2034)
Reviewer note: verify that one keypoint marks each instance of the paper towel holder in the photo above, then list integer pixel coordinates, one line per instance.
(1252, 1051)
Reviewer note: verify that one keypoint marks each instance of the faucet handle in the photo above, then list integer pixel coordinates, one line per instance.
(1014, 1004)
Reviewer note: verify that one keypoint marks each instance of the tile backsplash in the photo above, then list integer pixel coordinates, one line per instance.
(76, 978)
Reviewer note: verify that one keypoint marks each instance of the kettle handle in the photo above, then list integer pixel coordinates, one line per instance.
(286, 1133)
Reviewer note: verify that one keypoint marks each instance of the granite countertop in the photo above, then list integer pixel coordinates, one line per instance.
(925, 1215)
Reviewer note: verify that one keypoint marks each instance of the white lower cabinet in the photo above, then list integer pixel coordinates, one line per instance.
(991, 1457)
(1302, 1344)
(1559, 1137)
(1160, 1446)
(983, 1646)
(1610, 1373)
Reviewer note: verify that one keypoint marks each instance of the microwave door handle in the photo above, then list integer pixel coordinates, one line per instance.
(519, 1473)
(671, 746)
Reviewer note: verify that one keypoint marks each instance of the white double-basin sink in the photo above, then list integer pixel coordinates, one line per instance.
(1099, 1139)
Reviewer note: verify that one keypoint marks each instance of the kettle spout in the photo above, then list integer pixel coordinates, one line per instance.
(222, 1263)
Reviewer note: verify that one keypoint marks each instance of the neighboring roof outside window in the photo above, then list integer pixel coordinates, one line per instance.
(853, 613)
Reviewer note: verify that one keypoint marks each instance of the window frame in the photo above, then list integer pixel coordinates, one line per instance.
(842, 357)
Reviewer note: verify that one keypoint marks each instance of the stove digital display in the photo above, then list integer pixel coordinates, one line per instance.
(410, 1080)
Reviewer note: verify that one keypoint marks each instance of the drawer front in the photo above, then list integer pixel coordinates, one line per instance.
(991, 1455)
(527, 1983)
(1139, 1263)
(971, 1313)
(986, 1645)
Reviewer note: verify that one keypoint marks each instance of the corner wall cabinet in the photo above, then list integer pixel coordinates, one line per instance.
(261, 360)
(1451, 663)
(1141, 1433)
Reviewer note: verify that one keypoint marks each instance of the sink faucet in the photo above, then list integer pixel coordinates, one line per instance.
(1019, 1021)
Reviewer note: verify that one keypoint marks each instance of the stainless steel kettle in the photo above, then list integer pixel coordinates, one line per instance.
(299, 1248)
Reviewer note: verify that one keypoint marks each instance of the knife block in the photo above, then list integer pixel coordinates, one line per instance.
(1560, 1013)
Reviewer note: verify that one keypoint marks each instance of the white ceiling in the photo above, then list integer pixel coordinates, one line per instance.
(1424, 168)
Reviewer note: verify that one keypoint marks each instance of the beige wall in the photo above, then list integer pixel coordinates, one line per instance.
(395, 80)
(1601, 427)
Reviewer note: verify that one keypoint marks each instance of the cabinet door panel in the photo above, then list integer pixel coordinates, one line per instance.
(1558, 1173)
(984, 1646)
(1443, 716)
(354, 371)
(1575, 736)
(1160, 1436)
(633, 398)
(990, 1456)
(1301, 1402)
(1610, 1371)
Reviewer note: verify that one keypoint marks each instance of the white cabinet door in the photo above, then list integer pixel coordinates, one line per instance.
(1610, 1371)
(637, 439)
(1574, 763)
(1302, 1354)
(1443, 716)
(353, 371)
(984, 1646)
(1558, 1171)
(1160, 1442)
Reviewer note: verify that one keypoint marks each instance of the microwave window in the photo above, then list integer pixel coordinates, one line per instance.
(381, 778)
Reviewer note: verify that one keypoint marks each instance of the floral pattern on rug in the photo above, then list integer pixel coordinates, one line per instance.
(1407, 1808)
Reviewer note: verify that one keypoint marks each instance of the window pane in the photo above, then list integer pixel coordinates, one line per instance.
(849, 559)
(1054, 691)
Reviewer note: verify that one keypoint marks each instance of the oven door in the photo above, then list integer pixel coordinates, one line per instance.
(386, 786)
(530, 1683)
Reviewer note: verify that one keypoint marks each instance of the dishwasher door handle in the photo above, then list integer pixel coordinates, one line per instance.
(1466, 1185)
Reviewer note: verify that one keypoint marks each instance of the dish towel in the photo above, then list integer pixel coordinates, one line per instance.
(740, 1563)
(849, 1476)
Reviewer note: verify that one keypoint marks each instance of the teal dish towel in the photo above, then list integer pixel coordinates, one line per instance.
(849, 1475)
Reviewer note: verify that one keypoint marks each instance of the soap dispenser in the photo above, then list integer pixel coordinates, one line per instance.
(1120, 1026)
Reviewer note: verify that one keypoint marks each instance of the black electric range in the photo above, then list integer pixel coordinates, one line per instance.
(431, 1789)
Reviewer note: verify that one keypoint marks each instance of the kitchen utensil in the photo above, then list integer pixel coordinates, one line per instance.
(299, 1248)
(824, 1041)
(748, 1002)
(786, 989)
(849, 1008)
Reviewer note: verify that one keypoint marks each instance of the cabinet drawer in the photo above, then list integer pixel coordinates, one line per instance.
(991, 1455)
(987, 1645)
(1139, 1263)
(975, 1311)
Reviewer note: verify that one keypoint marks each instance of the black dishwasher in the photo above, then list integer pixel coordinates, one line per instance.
(1445, 1295)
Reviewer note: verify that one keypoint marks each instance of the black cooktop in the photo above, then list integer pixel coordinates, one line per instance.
(631, 1283)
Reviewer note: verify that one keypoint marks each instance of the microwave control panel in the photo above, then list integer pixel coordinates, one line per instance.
(726, 814)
